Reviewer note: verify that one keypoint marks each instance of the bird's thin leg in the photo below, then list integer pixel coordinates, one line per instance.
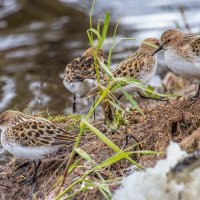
(33, 178)
(94, 113)
(36, 167)
(74, 103)
(198, 90)
(35, 175)
(197, 95)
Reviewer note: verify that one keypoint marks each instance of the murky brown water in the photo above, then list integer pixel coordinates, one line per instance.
(38, 38)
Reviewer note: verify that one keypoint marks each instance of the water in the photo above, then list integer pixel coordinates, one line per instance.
(38, 39)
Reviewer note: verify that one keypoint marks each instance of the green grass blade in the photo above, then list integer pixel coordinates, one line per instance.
(116, 106)
(113, 159)
(96, 62)
(121, 155)
(147, 152)
(105, 28)
(92, 30)
(91, 26)
(99, 26)
(78, 191)
(84, 155)
(113, 42)
(93, 107)
(109, 161)
(108, 142)
(104, 189)
(89, 34)
(132, 101)
(74, 165)
(139, 84)
(102, 137)
(106, 69)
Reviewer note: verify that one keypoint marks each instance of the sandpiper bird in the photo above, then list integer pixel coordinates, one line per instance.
(80, 74)
(141, 65)
(31, 137)
(182, 53)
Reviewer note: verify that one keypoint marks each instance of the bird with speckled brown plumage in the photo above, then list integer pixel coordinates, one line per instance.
(31, 137)
(182, 54)
(80, 74)
(141, 65)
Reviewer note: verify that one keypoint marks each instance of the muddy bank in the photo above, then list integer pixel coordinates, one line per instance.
(177, 120)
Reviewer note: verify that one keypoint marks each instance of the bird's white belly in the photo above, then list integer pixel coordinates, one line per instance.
(81, 88)
(180, 66)
(130, 88)
(32, 153)
(146, 77)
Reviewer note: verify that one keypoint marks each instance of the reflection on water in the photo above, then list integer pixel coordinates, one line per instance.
(7, 91)
(37, 39)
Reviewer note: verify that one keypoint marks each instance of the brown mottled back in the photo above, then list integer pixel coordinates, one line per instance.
(83, 67)
(33, 131)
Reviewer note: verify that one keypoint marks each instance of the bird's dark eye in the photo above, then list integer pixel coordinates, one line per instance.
(169, 40)
(157, 43)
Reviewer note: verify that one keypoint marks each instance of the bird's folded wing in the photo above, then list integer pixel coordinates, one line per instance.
(118, 72)
(39, 134)
(195, 45)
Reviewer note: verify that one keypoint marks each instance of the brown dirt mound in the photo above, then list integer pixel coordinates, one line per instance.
(177, 120)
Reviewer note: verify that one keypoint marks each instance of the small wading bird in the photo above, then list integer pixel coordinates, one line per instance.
(141, 65)
(80, 74)
(31, 138)
(182, 54)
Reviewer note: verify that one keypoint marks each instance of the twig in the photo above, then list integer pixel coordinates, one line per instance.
(71, 158)
(182, 11)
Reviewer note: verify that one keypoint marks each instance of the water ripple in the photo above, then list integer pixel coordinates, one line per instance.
(11, 41)
(8, 7)
(8, 91)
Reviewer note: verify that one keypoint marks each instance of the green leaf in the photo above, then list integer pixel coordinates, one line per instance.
(116, 106)
(96, 103)
(113, 42)
(132, 101)
(84, 155)
(106, 69)
(105, 28)
(113, 159)
(90, 37)
(104, 189)
(92, 30)
(99, 26)
(74, 165)
(91, 12)
(139, 84)
(121, 155)
(107, 141)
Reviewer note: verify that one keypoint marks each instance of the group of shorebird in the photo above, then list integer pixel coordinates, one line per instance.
(34, 138)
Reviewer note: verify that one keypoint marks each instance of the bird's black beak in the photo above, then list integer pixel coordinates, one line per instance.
(158, 49)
